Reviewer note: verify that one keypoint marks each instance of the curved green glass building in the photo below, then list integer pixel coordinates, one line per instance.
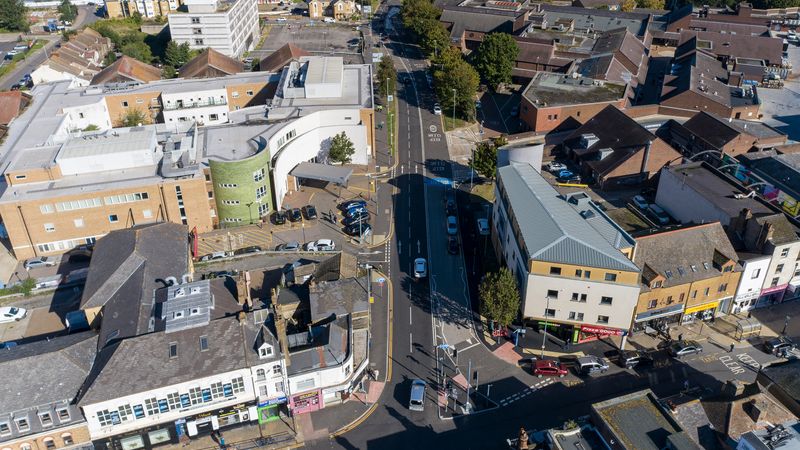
(242, 188)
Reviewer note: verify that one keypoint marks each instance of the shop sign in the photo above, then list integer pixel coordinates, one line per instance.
(591, 329)
(771, 290)
(273, 401)
(648, 315)
(703, 307)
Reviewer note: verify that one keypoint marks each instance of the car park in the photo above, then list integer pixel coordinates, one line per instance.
(483, 226)
(548, 368)
(633, 358)
(12, 314)
(779, 345)
(215, 255)
(291, 246)
(420, 268)
(351, 203)
(41, 261)
(590, 365)
(247, 250)
(679, 349)
(640, 202)
(452, 246)
(556, 167)
(310, 212)
(658, 215)
(279, 218)
(416, 401)
(437, 109)
(452, 225)
(295, 215)
(358, 229)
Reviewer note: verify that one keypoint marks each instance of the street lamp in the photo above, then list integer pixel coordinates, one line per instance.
(250, 212)
(785, 324)
(544, 336)
(303, 225)
(454, 109)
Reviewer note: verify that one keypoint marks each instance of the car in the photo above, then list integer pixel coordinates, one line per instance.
(450, 203)
(41, 261)
(416, 400)
(679, 349)
(590, 365)
(632, 358)
(548, 368)
(358, 229)
(483, 226)
(572, 179)
(281, 19)
(355, 211)
(640, 202)
(221, 274)
(7, 345)
(362, 217)
(351, 203)
(247, 250)
(659, 215)
(452, 245)
(452, 225)
(291, 246)
(215, 255)
(556, 167)
(295, 215)
(329, 20)
(565, 173)
(310, 212)
(322, 245)
(279, 217)
(420, 268)
(12, 314)
(779, 345)
(79, 254)
(437, 109)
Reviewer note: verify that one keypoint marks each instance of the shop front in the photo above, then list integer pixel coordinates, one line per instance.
(658, 319)
(306, 402)
(700, 312)
(271, 409)
(564, 331)
(744, 302)
(593, 332)
(771, 295)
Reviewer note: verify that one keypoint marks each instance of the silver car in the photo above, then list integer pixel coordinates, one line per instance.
(416, 401)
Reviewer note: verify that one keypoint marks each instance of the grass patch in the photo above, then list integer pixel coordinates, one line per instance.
(17, 58)
(485, 191)
(22, 288)
(459, 123)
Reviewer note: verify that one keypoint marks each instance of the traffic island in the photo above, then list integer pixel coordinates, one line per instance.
(457, 400)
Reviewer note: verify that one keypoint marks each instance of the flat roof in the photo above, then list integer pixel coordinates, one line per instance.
(325, 70)
(555, 89)
(107, 144)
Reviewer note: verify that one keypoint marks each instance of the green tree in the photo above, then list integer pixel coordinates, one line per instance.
(110, 58)
(91, 127)
(436, 40)
(177, 55)
(13, 15)
(342, 149)
(138, 50)
(418, 16)
(650, 4)
(168, 72)
(499, 297)
(628, 5)
(133, 117)
(455, 74)
(67, 34)
(484, 160)
(494, 59)
(67, 10)
(386, 74)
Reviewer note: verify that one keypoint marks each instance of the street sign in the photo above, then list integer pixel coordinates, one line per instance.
(371, 299)
(381, 280)
(390, 98)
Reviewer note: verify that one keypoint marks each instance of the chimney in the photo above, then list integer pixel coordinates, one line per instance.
(243, 290)
(765, 236)
(739, 224)
(645, 157)
(280, 329)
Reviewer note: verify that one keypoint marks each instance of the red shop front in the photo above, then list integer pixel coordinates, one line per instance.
(593, 332)
(307, 402)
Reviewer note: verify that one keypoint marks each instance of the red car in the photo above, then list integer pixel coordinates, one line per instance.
(544, 367)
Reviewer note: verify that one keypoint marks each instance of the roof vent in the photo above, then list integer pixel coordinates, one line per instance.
(588, 214)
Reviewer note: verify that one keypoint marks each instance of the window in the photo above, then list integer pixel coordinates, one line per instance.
(578, 273)
(263, 209)
(49, 443)
(151, 405)
(113, 218)
(125, 412)
(25, 446)
(78, 204)
(552, 294)
(279, 386)
(173, 401)
(126, 198)
(587, 274)
(22, 424)
(261, 375)
(682, 296)
(139, 101)
(46, 419)
(277, 369)
(571, 315)
(706, 266)
(756, 273)
(779, 268)
(106, 418)
(574, 297)
(249, 93)
(549, 312)
(652, 304)
(669, 300)
(706, 291)
(235, 94)
(602, 319)
(195, 20)
(611, 277)
(147, 214)
(261, 191)
(555, 270)
(668, 274)
(693, 267)
(774, 282)
(694, 293)
(173, 350)
(138, 412)
(5, 429)
(262, 391)
(63, 414)
(216, 389)
(258, 175)
(46, 209)
(196, 395)
(197, 31)
(67, 438)
(579, 317)
(727, 268)
(124, 104)
(230, 202)
(606, 300)
(723, 287)
(203, 343)
(238, 385)
(577, 298)
(49, 227)
(213, 117)
(78, 222)
(784, 253)
(658, 283)
(265, 351)
(228, 185)
(132, 443)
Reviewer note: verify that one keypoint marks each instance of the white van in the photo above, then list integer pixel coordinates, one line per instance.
(329, 20)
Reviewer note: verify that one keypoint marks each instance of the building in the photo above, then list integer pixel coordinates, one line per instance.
(146, 8)
(613, 150)
(728, 47)
(77, 60)
(281, 58)
(780, 380)
(126, 70)
(552, 98)
(536, 55)
(228, 26)
(775, 177)
(210, 64)
(573, 18)
(468, 24)
(617, 56)
(689, 273)
(707, 132)
(338, 9)
(572, 263)
(611, 5)
(42, 381)
(12, 103)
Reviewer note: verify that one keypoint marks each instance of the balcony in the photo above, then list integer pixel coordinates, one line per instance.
(180, 104)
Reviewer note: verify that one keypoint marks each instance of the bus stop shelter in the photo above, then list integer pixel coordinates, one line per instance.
(747, 327)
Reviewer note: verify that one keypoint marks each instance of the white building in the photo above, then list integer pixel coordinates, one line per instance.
(206, 107)
(754, 274)
(228, 26)
(572, 262)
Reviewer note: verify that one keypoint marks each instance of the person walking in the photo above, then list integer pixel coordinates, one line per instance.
(731, 350)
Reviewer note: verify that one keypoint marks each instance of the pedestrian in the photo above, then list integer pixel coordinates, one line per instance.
(221, 441)
(680, 337)
(731, 350)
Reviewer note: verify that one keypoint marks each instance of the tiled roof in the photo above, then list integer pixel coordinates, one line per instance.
(203, 65)
(281, 57)
(10, 106)
(129, 69)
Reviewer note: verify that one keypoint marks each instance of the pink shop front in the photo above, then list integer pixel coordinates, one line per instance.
(307, 402)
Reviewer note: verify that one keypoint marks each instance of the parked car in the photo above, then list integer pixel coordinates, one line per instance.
(329, 20)
(548, 368)
(779, 345)
(632, 358)
(310, 212)
(452, 245)
(362, 229)
(12, 314)
(680, 349)
(570, 179)
(221, 274)
(247, 250)
(41, 261)
(420, 268)
(295, 215)
(416, 401)
(362, 216)
(215, 255)
(351, 203)
(291, 246)
(565, 173)
(452, 225)
(279, 217)
(281, 19)
(556, 167)
(640, 202)
(658, 215)
(483, 226)
(437, 109)
(322, 245)
(590, 365)
(7, 345)
(450, 203)
(356, 210)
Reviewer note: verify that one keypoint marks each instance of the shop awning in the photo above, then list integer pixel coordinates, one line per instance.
(324, 172)
(703, 307)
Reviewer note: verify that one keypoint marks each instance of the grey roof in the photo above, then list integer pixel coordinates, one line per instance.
(44, 372)
(330, 345)
(138, 139)
(324, 172)
(338, 298)
(485, 20)
(782, 171)
(142, 363)
(784, 374)
(597, 19)
(551, 230)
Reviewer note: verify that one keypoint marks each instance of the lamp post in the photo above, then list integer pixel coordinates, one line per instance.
(303, 225)
(250, 212)
(544, 336)
(454, 109)
(785, 324)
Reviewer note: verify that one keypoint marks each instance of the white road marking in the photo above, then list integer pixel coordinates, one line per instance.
(410, 322)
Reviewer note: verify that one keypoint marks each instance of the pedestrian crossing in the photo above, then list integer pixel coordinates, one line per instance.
(526, 392)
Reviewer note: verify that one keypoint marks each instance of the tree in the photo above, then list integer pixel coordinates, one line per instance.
(494, 59)
(68, 11)
(484, 160)
(453, 73)
(91, 127)
(499, 297)
(138, 50)
(133, 118)
(177, 55)
(628, 5)
(342, 149)
(168, 72)
(650, 4)
(436, 40)
(386, 73)
(13, 15)
(110, 58)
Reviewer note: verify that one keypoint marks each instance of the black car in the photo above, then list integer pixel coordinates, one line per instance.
(450, 203)
(279, 217)
(356, 229)
(452, 246)
(779, 345)
(310, 212)
(356, 218)
(633, 358)
(247, 250)
(295, 215)
(352, 203)
(575, 179)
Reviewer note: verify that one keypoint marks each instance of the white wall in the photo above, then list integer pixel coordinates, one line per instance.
(46, 74)
(226, 32)
(80, 117)
(753, 275)
(332, 376)
(271, 379)
(684, 203)
(789, 262)
(199, 113)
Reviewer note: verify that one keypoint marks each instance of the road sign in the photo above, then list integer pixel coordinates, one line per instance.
(390, 97)
(371, 299)
(381, 280)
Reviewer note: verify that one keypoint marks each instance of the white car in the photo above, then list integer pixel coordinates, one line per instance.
(420, 268)
(555, 167)
(215, 255)
(281, 19)
(483, 227)
(322, 245)
(437, 109)
(640, 202)
(329, 20)
(12, 314)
